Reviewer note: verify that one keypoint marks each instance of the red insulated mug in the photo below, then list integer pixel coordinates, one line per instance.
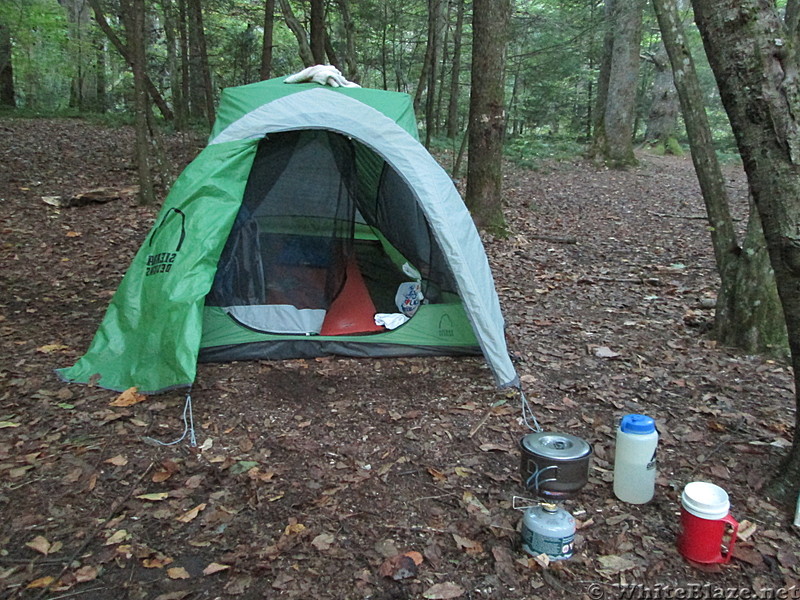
(708, 532)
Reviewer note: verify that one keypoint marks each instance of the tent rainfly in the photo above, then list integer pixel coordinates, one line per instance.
(313, 223)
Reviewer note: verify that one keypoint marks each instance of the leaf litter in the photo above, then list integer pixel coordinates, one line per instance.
(312, 477)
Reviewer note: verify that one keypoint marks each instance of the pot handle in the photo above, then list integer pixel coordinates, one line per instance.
(537, 473)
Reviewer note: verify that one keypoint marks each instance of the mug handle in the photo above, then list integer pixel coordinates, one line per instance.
(734, 525)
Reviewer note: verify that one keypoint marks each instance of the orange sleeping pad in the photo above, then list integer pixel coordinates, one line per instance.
(352, 311)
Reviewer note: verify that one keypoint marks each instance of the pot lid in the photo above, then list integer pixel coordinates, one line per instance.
(558, 446)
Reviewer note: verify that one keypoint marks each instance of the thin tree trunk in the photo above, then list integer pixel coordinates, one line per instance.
(455, 76)
(155, 95)
(433, 70)
(266, 49)
(756, 75)
(170, 41)
(318, 31)
(202, 75)
(299, 33)
(486, 113)
(350, 59)
(7, 94)
(133, 12)
(184, 110)
(748, 312)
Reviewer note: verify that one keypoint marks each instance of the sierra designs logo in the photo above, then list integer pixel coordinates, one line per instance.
(161, 262)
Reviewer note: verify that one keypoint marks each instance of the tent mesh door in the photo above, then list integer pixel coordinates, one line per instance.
(286, 256)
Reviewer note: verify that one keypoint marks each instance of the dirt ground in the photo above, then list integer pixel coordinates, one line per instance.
(385, 479)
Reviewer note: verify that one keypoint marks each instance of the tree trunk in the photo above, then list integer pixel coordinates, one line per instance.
(350, 59)
(156, 96)
(266, 48)
(598, 143)
(621, 101)
(133, 14)
(756, 74)
(455, 76)
(7, 95)
(299, 33)
(748, 314)
(202, 88)
(101, 100)
(183, 41)
(432, 56)
(662, 120)
(170, 40)
(318, 31)
(486, 113)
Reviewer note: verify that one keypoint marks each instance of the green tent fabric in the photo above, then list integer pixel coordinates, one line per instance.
(159, 321)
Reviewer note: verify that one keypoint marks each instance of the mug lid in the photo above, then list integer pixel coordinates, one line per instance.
(705, 500)
(637, 424)
(558, 446)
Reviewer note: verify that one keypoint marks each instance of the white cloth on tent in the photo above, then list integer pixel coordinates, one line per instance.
(321, 74)
(390, 320)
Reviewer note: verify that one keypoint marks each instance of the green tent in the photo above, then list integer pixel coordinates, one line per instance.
(311, 211)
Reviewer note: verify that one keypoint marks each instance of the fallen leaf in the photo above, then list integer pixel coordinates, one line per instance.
(467, 545)
(190, 515)
(86, 573)
(154, 496)
(6, 424)
(73, 234)
(40, 544)
(215, 568)
(178, 573)
(605, 352)
(117, 537)
(293, 527)
(42, 582)
(323, 542)
(443, 591)
(128, 398)
(118, 460)
(613, 564)
(746, 529)
(473, 504)
(48, 348)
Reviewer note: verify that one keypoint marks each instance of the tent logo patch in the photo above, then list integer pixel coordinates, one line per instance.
(446, 326)
(161, 262)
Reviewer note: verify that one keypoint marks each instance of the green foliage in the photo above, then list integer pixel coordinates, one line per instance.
(530, 150)
(43, 65)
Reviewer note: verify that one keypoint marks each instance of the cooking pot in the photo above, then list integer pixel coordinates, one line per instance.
(554, 465)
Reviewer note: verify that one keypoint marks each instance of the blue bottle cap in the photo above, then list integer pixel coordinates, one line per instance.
(638, 424)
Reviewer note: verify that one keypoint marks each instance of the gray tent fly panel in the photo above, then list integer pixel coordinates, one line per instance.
(297, 223)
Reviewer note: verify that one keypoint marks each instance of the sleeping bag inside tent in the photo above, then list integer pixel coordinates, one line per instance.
(313, 224)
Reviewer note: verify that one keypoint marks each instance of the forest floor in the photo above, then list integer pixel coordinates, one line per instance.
(386, 479)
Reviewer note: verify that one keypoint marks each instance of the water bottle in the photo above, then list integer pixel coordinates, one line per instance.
(635, 459)
(548, 529)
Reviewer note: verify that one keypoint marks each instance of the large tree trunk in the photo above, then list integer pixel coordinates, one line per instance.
(614, 128)
(662, 120)
(486, 113)
(748, 314)
(7, 95)
(756, 72)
